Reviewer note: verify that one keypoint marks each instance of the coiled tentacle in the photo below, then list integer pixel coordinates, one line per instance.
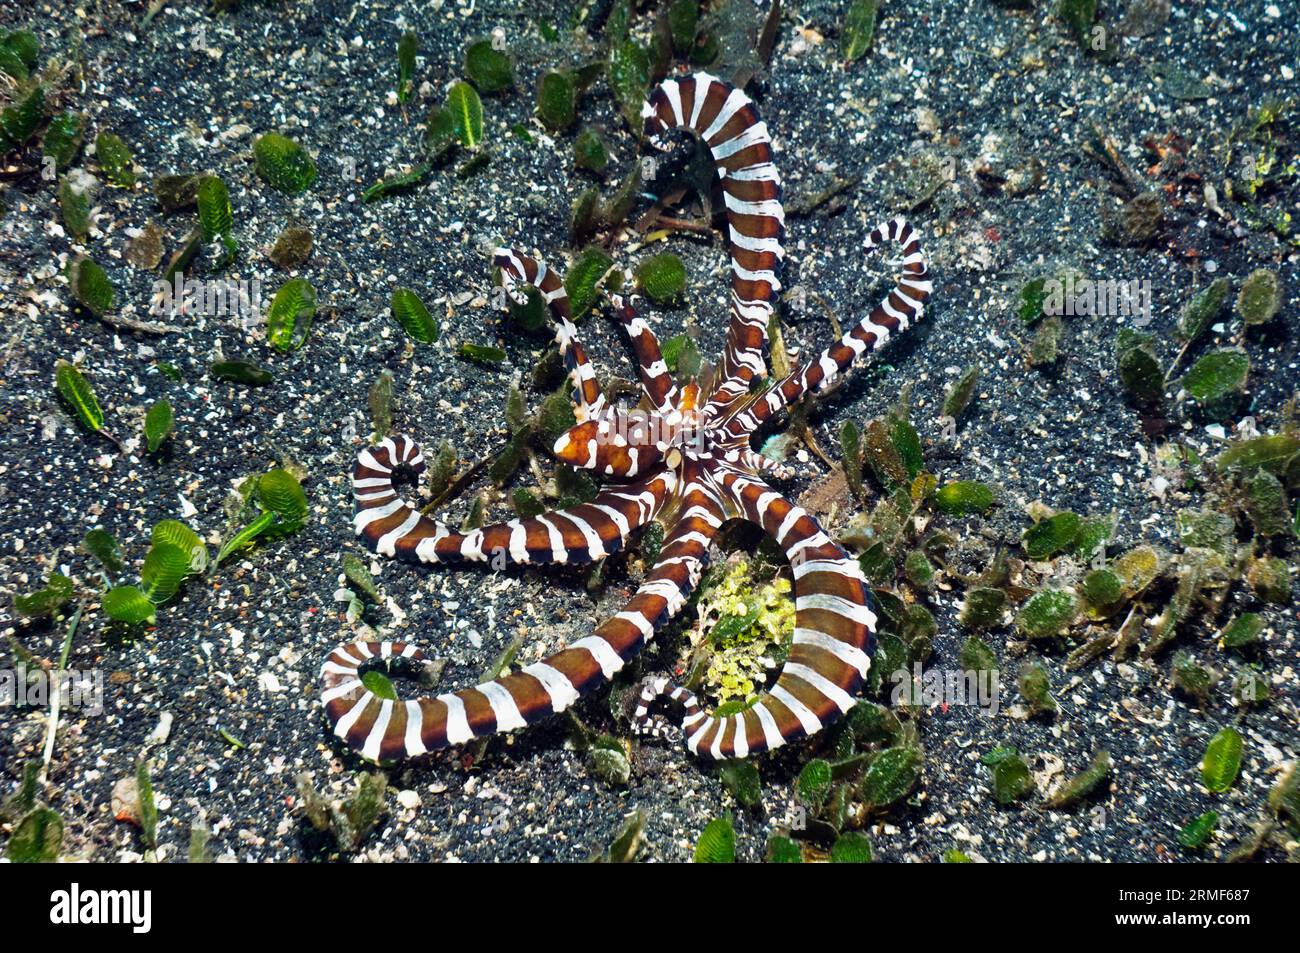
(726, 120)
(383, 729)
(829, 652)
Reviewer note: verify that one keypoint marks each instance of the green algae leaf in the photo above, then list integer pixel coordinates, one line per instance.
(851, 455)
(1269, 579)
(584, 280)
(283, 164)
(101, 544)
(158, 423)
(148, 808)
(19, 122)
(1051, 536)
(530, 314)
(1078, 15)
(488, 68)
(244, 537)
(976, 656)
(74, 207)
(115, 159)
(662, 278)
(63, 139)
(859, 28)
(1259, 299)
(379, 685)
(982, 608)
(165, 567)
(783, 850)
(289, 319)
(1222, 760)
(1266, 505)
(1202, 309)
(1217, 374)
(1095, 533)
(279, 492)
(181, 536)
(37, 839)
(1137, 569)
(1082, 784)
(1102, 591)
(741, 779)
(1270, 453)
(1205, 529)
(960, 394)
(890, 776)
(1243, 630)
(240, 372)
(611, 766)
(814, 782)
(43, 602)
(466, 112)
(717, 843)
(589, 151)
(526, 503)
(964, 498)
(359, 576)
(409, 311)
(78, 395)
(682, 18)
(19, 52)
(1140, 373)
(557, 98)
(215, 217)
(585, 215)
(474, 165)
(629, 78)
(852, 848)
(439, 132)
(1011, 777)
(128, 604)
(953, 856)
(1036, 687)
(1047, 613)
(90, 286)
(1032, 298)
(407, 47)
(482, 353)
(396, 183)
(623, 848)
(1196, 834)
(380, 399)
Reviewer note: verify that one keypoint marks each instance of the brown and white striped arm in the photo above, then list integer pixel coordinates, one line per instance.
(384, 730)
(516, 268)
(656, 381)
(726, 120)
(583, 533)
(898, 311)
(831, 647)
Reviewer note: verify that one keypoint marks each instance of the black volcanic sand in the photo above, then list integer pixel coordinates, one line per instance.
(988, 87)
